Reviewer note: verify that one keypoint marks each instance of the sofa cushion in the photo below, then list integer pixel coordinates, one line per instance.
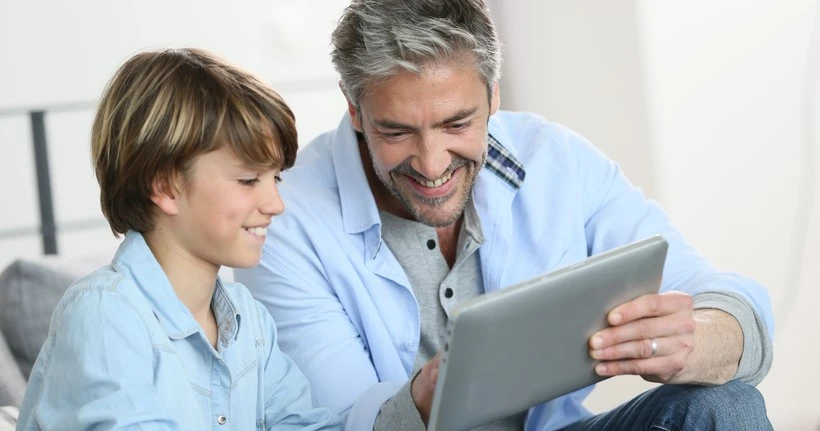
(12, 382)
(29, 291)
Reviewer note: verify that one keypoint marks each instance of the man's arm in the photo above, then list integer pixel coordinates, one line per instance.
(315, 330)
(695, 347)
(718, 348)
(288, 403)
(410, 407)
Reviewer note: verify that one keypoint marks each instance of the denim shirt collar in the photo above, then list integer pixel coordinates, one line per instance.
(136, 260)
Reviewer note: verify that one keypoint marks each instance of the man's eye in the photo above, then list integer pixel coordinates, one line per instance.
(393, 135)
(459, 126)
(249, 182)
(278, 179)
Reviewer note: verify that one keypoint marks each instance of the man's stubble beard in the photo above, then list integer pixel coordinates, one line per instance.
(408, 201)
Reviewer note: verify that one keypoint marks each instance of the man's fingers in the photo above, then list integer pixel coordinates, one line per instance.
(644, 329)
(639, 349)
(657, 368)
(653, 305)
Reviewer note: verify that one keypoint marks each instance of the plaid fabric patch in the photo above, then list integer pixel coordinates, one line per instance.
(502, 163)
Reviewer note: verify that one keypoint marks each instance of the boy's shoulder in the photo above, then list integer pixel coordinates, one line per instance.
(105, 291)
(106, 279)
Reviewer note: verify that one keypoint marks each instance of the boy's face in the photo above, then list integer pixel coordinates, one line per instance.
(224, 209)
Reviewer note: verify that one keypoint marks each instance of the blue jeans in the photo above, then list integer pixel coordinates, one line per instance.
(732, 406)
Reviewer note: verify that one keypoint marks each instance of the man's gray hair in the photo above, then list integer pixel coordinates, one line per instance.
(375, 39)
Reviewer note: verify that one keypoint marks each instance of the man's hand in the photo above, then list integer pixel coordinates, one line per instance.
(690, 346)
(627, 346)
(423, 387)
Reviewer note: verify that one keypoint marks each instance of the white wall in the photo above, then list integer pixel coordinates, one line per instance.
(56, 53)
(708, 95)
(578, 63)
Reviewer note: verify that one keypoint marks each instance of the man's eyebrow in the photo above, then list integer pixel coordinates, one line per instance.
(390, 124)
(458, 116)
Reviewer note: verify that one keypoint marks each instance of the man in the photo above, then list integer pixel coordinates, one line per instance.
(426, 195)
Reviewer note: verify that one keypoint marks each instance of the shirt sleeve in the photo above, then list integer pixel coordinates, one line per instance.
(288, 403)
(335, 360)
(399, 412)
(756, 359)
(95, 370)
(618, 213)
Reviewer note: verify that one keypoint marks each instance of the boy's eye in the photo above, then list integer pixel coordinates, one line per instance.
(277, 179)
(249, 182)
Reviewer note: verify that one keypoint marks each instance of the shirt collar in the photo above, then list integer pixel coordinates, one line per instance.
(135, 259)
(359, 211)
(502, 158)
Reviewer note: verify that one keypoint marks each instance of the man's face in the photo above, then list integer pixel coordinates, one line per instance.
(426, 137)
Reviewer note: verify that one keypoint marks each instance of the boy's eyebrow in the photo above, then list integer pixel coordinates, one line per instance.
(255, 166)
(458, 116)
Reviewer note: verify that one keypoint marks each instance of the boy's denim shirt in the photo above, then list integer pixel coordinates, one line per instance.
(123, 350)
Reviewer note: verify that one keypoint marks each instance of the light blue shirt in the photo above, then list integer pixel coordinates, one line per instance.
(345, 309)
(124, 352)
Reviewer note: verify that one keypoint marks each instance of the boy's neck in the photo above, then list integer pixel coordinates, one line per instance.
(193, 281)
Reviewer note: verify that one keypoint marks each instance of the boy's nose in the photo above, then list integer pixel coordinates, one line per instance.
(272, 204)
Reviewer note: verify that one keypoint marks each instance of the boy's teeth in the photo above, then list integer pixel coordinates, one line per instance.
(258, 231)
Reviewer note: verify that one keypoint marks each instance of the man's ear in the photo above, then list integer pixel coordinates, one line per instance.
(165, 194)
(496, 98)
(355, 118)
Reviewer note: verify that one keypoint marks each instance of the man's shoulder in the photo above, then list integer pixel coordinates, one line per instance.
(530, 137)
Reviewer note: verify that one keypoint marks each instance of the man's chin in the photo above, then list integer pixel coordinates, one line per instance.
(438, 212)
(437, 217)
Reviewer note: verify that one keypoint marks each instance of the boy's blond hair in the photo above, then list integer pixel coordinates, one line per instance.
(164, 108)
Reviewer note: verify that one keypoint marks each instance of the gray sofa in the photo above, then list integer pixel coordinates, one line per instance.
(29, 291)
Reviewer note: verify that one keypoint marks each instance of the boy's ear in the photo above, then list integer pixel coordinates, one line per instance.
(165, 194)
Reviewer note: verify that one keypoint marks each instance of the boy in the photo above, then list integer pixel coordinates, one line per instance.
(187, 151)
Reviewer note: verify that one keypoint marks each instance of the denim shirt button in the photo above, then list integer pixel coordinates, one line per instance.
(221, 420)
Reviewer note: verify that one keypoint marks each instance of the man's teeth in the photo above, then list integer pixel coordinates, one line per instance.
(436, 183)
(258, 231)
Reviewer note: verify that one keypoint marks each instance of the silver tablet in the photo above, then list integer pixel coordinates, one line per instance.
(512, 349)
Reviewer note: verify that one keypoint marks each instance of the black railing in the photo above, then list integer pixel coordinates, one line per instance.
(45, 199)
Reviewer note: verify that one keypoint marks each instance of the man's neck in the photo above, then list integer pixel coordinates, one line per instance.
(448, 240)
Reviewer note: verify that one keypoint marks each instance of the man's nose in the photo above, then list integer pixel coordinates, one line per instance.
(431, 160)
